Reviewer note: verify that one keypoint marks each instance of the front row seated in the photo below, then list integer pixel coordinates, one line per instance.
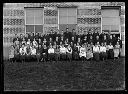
(96, 52)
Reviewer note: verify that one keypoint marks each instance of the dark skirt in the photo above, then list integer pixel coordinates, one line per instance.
(111, 54)
(51, 56)
(17, 57)
(103, 55)
(69, 56)
(96, 56)
(75, 56)
(57, 57)
(63, 56)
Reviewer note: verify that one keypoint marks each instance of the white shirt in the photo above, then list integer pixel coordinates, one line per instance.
(23, 50)
(28, 42)
(63, 50)
(50, 50)
(102, 49)
(33, 51)
(70, 50)
(82, 52)
(110, 46)
(78, 47)
(96, 49)
(35, 43)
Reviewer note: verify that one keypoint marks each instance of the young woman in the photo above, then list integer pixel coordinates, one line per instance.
(35, 44)
(102, 52)
(51, 53)
(63, 51)
(22, 53)
(116, 50)
(44, 53)
(82, 53)
(110, 52)
(96, 51)
(33, 52)
(28, 53)
(89, 52)
(57, 53)
(11, 53)
(69, 53)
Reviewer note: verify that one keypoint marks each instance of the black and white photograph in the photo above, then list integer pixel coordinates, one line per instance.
(64, 46)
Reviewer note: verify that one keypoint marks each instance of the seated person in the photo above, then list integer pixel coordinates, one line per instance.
(116, 50)
(102, 52)
(75, 53)
(28, 52)
(44, 53)
(33, 52)
(63, 51)
(17, 53)
(89, 52)
(69, 53)
(51, 53)
(11, 53)
(96, 52)
(57, 53)
(110, 52)
(22, 53)
(82, 53)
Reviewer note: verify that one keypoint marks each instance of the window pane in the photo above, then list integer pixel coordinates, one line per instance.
(72, 20)
(62, 11)
(72, 12)
(63, 20)
(110, 13)
(29, 28)
(111, 21)
(39, 28)
(38, 13)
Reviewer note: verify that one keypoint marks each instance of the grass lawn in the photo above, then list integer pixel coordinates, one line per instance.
(65, 76)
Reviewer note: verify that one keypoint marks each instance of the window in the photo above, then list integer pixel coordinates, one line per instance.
(110, 20)
(34, 20)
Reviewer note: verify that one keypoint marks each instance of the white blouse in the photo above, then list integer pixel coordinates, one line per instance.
(102, 49)
(63, 50)
(96, 49)
(50, 50)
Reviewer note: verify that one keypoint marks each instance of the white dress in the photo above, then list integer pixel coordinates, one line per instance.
(82, 52)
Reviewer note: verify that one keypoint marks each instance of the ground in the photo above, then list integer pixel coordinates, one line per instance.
(65, 76)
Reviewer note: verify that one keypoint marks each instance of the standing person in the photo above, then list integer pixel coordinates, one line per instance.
(11, 53)
(89, 52)
(110, 53)
(90, 40)
(36, 37)
(75, 53)
(51, 53)
(28, 42)
(102, 52)
(73, 40)
(23, 42)
(116, 50)
(84, 40)
(39, 42)
(107, 50)
(57, 40)
(82, 53)
(97, 40)
(16, 42)
(57, 53)
(63, 51)
(114, 40)
(78, 46)
(22, 53)
(104, 39)
(79, 41)
(102, 35)
(38, 54)
(110, 40)
(95, 34)
(66, 34)
(31, 36)
(69, 53)
(96, 52)
(15, 38)
(44, 53)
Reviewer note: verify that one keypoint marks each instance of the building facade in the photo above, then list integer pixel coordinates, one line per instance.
(21, 18)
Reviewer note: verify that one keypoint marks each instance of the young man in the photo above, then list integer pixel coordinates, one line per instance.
(82, 53)
(11, 53)
(63, 51)
(96, 52)
(22, 53)
(51, 53)
(69, 53)
(103, 52)
(116, 50)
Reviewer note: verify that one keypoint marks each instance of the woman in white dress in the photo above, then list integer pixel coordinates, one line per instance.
(116, 50)
(82, 53)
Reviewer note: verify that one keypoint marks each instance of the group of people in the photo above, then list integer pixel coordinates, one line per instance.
(65, 46)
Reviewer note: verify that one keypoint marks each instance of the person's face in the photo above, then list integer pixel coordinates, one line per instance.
(74, 45)
(90, 37)
(50, 39)
(97, 37)
(111, 36)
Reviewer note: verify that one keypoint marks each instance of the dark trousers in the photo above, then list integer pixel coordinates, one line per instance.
(57, 57)
(63, 56)
(69, 56)
(51, 56)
